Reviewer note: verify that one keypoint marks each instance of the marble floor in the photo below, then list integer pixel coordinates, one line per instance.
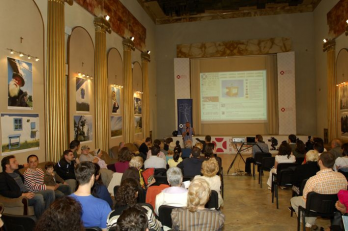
(249, 207)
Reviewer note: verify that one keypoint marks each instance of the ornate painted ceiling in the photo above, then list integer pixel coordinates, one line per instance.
(176, 11)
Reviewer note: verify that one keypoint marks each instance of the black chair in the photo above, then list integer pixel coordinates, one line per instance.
(161, 180)
(317, 205)
(160, 172)
(93, 229)
(213, 201)
(303, 184)
(283, 178)
(299, 160)
(18, 222)
(164, 215)
(258, 160)
(344, 173)
(266, 164)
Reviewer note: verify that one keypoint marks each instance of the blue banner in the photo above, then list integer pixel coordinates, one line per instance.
(184, 113)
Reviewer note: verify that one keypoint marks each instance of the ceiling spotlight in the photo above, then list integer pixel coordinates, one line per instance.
(132, 38)
(11, 52)
(324, 40)
(29, 57)
(107, 17)
(83, 75)
(148, 52)
(37, 59)
(21, 55)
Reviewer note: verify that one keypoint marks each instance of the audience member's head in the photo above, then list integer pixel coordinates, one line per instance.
(132, 219)
(336, 143)
(210, 167)
(49, 166)
(169, 140)
(148, 141)
(157, 142)
(171, 146)
(199, 145)
(177, 146)
(176, 154)
(198, 194)
(318, 140)
(63, 214)
(327, 159)
(207, 138)
(174, 176)
(127, 193)
(196, 152)
(188, 144)
(284, 149)
(74, 145)
(68, 155)
(84, 173)
(136, 162)
(345, 149)
(97, 181)
(312, 155)
(9, 163)
(209, 150)
(258, 138)
(124, 155)
(300, 146)
(292, 138)
(155, 150)
(318, 146)
(33, 161)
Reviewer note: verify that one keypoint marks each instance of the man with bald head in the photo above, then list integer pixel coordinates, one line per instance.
(336, 148)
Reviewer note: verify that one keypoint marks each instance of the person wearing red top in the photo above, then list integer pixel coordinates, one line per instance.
(124, 157)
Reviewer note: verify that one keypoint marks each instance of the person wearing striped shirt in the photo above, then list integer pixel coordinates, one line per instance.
(34, 179)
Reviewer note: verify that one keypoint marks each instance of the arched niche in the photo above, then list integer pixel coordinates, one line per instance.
(115, 96)
(138, 90)
(22, 30)
(342, 92)
(81, 87)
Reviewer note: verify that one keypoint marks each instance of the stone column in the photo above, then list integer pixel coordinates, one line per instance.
(145, 58)
(329, 47)
(101, 85)
(55, 84)
(128, 112)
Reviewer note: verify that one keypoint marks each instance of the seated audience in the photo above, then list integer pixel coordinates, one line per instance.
(144, 147)
(195, 214)
(177, 146)
(209, 153)
(52, 179)
(300, 149)
(305, 171)
(94, 210)
(175, 195)
(192, 166)
(124, 156)
(260, 146)
(74, 147)
(156, 142)
(319, 140)
(326, 181)
(284, 156)
(162, 148)
(65, 168)
(167, 142)
(127, 197)
(99, 190)
(34, 179)
(206, 141)
(132, 219)
(155, 161)
(12, 186)
(133, 171)
(209, 170)
(341, 163)
(186, 152)
(63, 214)
(170, 152)
(336, 148)
(176, 158)
(292, 142)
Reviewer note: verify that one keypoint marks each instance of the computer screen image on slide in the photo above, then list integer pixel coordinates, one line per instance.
(239, 96)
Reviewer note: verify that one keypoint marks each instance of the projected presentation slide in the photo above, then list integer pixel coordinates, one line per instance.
(233, 96)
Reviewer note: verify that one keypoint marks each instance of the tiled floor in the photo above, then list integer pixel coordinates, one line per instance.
(249, 207)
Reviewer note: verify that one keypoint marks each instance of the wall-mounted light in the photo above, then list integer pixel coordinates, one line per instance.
(347, 28)
(83, 76)
(21, 54)
(107, 17)
(324, 40)
(328, 44)
(138, 92)
(117, 86)
(131, 38)
(148, 52)
(341, 84)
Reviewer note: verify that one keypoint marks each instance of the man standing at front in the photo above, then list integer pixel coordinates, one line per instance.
(326, 181)
(12, 186)
(187, 132)
(95, 211)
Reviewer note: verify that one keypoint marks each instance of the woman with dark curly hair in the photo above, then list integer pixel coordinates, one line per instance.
(126, 197)
(63, 214)
(99, 190)
(124, 156)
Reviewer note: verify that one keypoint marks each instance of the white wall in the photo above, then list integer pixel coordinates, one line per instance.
(297, 27)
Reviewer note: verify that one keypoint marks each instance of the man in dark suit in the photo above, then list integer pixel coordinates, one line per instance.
(144, 147)
(192, 166)
(12, 186)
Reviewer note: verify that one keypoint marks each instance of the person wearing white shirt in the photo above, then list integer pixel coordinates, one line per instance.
(154, 161)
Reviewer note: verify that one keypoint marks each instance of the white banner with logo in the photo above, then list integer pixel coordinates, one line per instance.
(286, 93)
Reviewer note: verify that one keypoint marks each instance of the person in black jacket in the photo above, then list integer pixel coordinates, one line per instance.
(12, 186)
(65, 168)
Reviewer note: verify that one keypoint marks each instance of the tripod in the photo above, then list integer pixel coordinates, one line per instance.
(239, 150)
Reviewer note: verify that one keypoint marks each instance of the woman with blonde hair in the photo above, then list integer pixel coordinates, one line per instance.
(209, 170)
(196, 216)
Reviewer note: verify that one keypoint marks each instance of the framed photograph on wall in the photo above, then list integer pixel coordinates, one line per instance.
(83, 127)
(138, 122)
(83, 94)
(116, 126)
(137, 105)
(115, 100)
(20, 132)
(20, 84)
